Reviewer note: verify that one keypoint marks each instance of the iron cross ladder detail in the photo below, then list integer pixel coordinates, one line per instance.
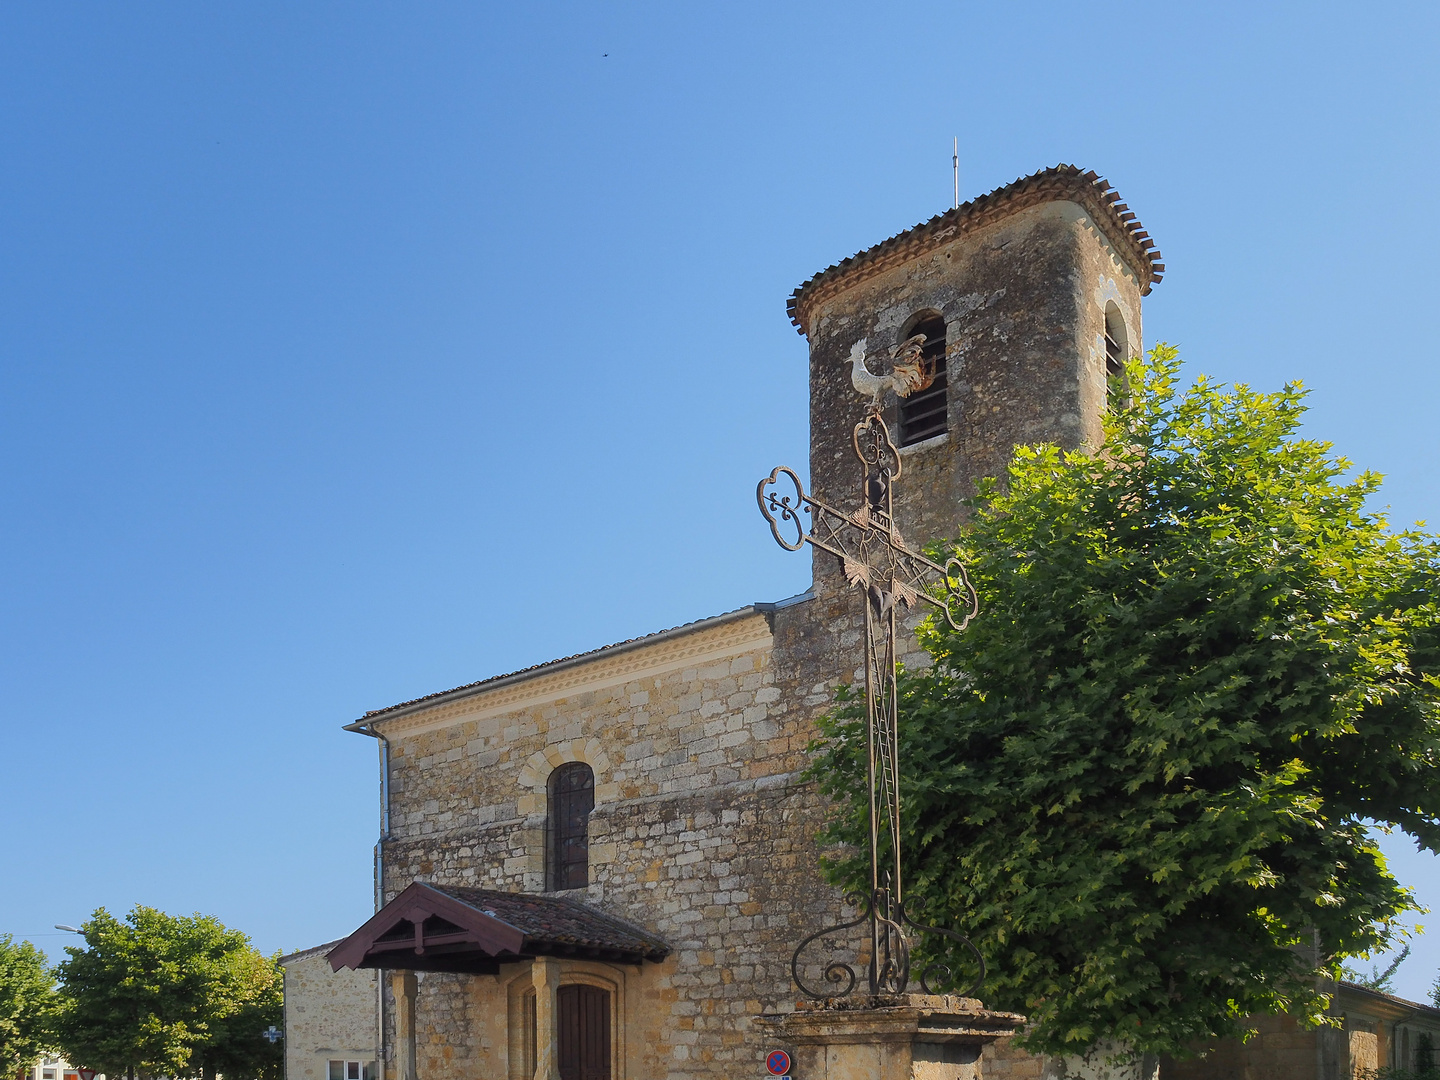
(875, 560)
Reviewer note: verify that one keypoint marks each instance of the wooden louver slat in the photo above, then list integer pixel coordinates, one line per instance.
(925, 414)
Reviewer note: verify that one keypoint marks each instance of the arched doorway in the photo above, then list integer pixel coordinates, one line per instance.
(583, 1030)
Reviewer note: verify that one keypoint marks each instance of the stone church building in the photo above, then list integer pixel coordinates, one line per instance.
(597, 868)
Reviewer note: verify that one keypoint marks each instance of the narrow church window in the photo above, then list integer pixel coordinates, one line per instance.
(531, 1050)
(925, 413)
(572, 797)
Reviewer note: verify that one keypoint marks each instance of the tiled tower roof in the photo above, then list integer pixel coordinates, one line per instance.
(1062, 183)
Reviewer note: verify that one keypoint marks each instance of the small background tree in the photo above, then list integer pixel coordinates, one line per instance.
(1378, 979)
(27, 1005)
(250, 999)
(167, 995)
(1142, 781)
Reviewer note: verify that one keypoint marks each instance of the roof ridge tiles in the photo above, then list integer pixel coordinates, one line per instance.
(1119, 224)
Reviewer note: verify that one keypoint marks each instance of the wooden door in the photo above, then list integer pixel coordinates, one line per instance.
(584, 1030)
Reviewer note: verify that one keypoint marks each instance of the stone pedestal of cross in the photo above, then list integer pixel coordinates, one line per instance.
(875, 560)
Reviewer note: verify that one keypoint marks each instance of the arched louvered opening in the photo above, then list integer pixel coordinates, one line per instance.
(925, 413)
(1117, 352)
(1117, 341)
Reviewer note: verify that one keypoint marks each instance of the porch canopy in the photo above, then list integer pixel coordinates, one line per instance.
(449, 928)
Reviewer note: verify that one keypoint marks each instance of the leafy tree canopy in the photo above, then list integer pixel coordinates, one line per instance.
(1143, 780)
(168, 995)
(27, 1005)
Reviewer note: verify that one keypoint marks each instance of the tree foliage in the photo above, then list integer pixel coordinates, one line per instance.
(1377, 979)
(165, 995)
(27, 1005)
(1144, 780)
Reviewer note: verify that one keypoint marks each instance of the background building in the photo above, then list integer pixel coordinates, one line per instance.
(52, 1068)
(331, 1019)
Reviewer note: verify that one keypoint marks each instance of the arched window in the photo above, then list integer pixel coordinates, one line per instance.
(1117, 351)
(572, 797)
(529, 1049)
(925, 413)
(1117, 341)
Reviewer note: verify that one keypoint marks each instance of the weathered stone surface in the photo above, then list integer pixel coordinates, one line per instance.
(891, 1037)
(328, 1015)
(1024, 305)
(1371, 1031)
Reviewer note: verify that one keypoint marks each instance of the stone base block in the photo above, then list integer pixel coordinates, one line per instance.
(889, 1037)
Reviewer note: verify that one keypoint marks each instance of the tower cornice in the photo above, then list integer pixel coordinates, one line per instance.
(1062, 183)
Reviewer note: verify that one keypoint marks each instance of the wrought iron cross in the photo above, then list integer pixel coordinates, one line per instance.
(876, 560)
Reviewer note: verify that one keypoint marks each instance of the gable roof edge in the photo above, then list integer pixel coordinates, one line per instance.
(429, 701)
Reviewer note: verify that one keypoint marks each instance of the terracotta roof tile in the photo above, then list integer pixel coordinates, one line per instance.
(314, 950)
(1057, 184)
(456, 928)
(550, 921)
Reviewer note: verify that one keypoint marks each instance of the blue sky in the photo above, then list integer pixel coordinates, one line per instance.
(349, 352)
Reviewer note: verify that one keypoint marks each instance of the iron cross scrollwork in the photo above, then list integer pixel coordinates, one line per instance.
(867, 542)
(875, 559)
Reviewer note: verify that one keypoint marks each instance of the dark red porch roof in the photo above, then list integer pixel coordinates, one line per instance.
(452, 928)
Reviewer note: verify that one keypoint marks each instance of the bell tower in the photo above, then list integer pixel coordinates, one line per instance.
(1026, 296)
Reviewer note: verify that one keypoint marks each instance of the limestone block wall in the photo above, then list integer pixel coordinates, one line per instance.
(702, 832)
(468, 786)
(448, 1042)
(1024, 303)
(1371, 1031)
(1003, 1060)
(474, 1026)
(329, 1015)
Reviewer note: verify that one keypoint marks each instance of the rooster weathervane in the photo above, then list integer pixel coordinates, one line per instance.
(909, 374)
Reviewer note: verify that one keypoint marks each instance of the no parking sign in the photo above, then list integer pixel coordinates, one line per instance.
(778, 1063)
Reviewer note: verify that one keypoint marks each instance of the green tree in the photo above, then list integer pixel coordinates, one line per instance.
(252, 1000)
(1144, 780)
(1383, 981)
(27, 1005)
(167, 995)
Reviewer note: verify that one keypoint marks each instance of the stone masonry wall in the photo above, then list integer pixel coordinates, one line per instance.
(702, 832)
(1024, 305)
(328, 1015)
